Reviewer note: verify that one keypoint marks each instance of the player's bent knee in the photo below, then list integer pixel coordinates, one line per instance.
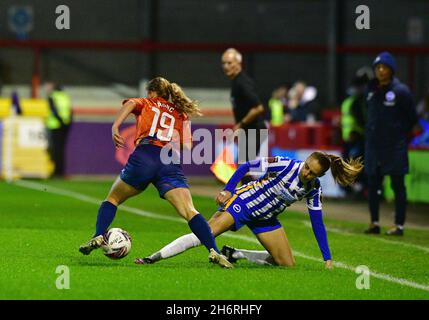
(285, 262)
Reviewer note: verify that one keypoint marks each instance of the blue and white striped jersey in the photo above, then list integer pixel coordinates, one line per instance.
(278, 188)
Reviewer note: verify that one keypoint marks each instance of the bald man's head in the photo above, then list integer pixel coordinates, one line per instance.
(231, 62)
(234, 54)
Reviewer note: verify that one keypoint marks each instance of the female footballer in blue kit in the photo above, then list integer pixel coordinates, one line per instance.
(258, 203)
(158, 118)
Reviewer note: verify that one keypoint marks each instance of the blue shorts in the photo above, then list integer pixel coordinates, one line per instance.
(144, 166)
(238, 210)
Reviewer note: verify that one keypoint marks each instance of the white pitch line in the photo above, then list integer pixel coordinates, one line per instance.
(343, 232)
(92, 200)
(343, 265)
(84, 198)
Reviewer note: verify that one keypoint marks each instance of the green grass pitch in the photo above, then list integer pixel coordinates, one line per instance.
(42, 229)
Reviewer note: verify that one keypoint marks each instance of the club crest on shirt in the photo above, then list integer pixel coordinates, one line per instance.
(236, 208)
(389, 99)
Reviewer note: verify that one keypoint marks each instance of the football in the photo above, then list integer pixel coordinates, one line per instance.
(117, 243)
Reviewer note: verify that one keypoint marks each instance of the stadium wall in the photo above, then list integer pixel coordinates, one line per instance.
(90, 150)
(293, 22)
(97, 156)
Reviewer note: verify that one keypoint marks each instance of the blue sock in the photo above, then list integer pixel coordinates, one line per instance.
(106, 214)
(201, 229)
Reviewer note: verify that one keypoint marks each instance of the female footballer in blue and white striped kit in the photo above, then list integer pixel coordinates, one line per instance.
(258, 203)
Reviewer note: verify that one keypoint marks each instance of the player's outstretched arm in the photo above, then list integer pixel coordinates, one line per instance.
(242, 170)
(320, 234)
(123, 113)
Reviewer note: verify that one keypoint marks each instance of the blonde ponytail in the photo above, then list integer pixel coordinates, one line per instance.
(344, 172)
(182, 102)
(174, 93)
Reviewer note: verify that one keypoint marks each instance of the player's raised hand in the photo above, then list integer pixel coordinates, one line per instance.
(223, 197)
(118, 140)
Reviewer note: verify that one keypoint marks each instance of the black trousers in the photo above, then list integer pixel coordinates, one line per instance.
(374, 192)
(57, 139)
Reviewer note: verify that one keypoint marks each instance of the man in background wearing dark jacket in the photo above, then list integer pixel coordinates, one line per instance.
(246, 105)
(391, 116)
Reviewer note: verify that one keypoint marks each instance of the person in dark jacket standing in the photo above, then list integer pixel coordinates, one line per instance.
(391, 116)
(246, 105)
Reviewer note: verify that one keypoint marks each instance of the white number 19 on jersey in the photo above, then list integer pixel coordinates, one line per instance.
(168, 128)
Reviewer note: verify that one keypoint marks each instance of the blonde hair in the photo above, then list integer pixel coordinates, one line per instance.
(173, 92)
(344, 172)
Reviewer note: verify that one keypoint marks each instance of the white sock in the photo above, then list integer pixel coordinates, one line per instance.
(263, 262)
(179, 245)
(256, 256)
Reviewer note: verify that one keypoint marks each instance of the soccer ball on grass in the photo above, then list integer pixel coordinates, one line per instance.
(117, 243)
